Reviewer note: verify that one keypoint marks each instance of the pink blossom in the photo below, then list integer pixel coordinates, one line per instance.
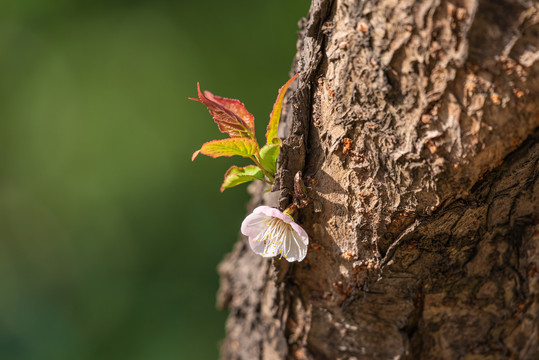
(272, 232)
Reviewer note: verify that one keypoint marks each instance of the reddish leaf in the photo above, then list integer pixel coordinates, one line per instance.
(228, 147)
(275, 116)
(230, 115)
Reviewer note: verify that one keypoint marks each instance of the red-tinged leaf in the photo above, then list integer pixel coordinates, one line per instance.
(275, 116)
(236, 107)
(230, 115)
(236, 175)
(228, 147)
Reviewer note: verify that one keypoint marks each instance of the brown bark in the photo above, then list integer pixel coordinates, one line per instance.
(418, 120)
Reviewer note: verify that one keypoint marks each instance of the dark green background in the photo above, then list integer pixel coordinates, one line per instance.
(109, 235)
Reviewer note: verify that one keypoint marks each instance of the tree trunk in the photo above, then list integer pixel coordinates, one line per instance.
(415, 124)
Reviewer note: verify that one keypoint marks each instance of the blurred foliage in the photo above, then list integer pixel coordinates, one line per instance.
(109, 235)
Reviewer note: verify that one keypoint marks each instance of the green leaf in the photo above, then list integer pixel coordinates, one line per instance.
(268, 157)
(275, 116)
(228, 147)
(239, 175)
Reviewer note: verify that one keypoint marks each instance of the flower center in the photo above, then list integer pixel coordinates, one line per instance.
(274, 235)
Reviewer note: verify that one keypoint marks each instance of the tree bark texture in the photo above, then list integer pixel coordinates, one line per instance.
(415, 124)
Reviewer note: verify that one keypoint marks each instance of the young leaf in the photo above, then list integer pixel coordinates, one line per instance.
(230, 115)
(228, 147)
(239, 175)
(268, 156)
(275, 116)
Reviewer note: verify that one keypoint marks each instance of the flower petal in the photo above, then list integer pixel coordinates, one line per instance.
(295, 249)
(301, 232)
(269, 211)
(254, 224)
(290, 251)
(301, 246)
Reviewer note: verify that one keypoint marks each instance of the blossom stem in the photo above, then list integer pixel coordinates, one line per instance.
(291, 211)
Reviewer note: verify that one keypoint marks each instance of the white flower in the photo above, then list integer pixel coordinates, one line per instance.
(273, 233)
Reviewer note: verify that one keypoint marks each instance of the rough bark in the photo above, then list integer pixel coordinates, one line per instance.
(416, 122)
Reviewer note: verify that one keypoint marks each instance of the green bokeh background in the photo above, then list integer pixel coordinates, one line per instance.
(109, 234)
